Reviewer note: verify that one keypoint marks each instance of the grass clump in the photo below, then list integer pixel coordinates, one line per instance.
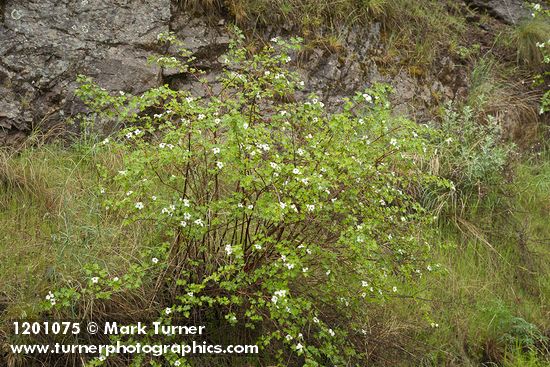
(527, 38)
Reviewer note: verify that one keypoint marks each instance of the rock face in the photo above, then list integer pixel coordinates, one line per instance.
(509, 11)
(44, 44)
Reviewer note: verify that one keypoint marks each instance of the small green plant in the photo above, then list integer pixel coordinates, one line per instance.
(470, 154)
(268, 210)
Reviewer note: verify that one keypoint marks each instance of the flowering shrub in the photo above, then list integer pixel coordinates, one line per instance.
(268, 207)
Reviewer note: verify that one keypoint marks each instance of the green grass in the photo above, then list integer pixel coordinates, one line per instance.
(51, 224)
(497, 273)
(489, 283)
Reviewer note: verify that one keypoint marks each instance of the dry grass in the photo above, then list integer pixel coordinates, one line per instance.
(495, 93)
(417, 30)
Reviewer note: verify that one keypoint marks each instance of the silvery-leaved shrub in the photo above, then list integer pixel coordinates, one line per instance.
(275, 215)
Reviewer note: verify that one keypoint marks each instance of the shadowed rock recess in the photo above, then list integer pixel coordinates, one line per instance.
(44, 44)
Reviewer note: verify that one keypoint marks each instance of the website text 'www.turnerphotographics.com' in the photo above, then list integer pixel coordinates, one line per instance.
(102, 351)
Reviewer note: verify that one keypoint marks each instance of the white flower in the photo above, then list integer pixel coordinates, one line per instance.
(240, 205)
(300, 151)
(296, 171)
(155, 260)
(308, 251)
(95, 280)
(310, 207)
(183, 223)
(275, 39)
(274, 165)
(394, 289)
(305, 181)
(216, 150)
(258, 247)
(245, 125)
(228, 249)
(201, 116)
(115, 279)
(282, 205)
(281, 293)
(102, 190)
(289, 337)
(129, 193)
(154, 198)
(177, 363)
(129, 135)
(168, 311)
(199, 222)
(105, 141)
(316, 320)
(219, 164)
(250, 207)
(331, 332)
(217, 121)
(137, 132)
(290, 266)
(364, 284)
(305, 270)
(367, 97)
(299, 347)
(186, 202)
(139, 205)
(429, 268)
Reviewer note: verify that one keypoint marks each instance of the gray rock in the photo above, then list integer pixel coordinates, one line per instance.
(44, 44)
(509, 11)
